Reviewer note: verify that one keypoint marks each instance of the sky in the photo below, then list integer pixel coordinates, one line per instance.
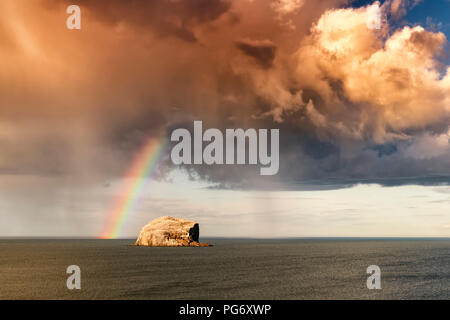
(363, 114)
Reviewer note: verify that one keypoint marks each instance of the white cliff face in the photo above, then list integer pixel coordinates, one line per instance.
(170, 232)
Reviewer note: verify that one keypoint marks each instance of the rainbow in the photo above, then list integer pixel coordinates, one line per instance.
(142, 167)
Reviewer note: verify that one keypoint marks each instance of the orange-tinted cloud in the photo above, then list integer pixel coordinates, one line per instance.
(313, 68)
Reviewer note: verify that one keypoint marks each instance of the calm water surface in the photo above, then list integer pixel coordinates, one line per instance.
(232, 269)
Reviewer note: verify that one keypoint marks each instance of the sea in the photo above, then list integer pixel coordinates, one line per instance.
(328, 268)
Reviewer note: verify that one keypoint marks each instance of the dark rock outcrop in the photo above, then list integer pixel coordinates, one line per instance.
(170, 232)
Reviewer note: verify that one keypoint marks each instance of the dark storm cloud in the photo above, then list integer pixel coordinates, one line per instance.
(263, 51)
(167, 18)
(353, 104)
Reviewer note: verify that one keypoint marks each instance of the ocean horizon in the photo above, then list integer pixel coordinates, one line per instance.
(225, 238)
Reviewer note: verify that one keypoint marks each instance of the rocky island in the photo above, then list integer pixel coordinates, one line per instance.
(170, 232)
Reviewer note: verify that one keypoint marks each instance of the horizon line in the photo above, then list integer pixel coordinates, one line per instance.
(236, 238)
